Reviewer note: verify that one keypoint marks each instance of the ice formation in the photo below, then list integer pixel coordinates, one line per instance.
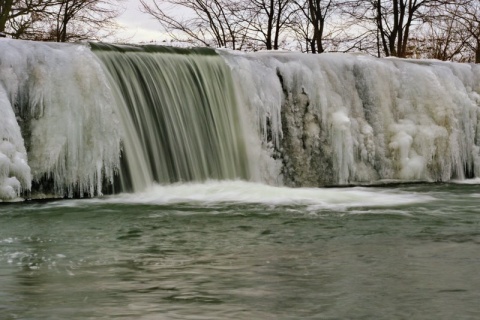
(278, 118)
(14, 170)
(341, 119)
(65, 109)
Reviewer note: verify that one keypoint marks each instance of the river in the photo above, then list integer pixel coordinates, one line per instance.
(235, 250)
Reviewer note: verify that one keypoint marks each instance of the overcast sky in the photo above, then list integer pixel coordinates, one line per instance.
(138, 26)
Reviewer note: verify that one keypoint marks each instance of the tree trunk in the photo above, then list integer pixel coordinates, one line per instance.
(276, 41)
(5, 12)
(63, 32)
(318, 23)
(477, 52)
(270, 25)
(381, 29)
(320, 35)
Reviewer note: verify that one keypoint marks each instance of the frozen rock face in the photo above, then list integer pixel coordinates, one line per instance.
(336, 119)
(303, 120)
(15, 173)
(65, 110)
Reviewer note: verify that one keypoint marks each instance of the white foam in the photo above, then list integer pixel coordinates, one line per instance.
(240, 192)
(467, 181)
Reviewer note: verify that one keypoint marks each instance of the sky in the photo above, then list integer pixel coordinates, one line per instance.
(138, 26)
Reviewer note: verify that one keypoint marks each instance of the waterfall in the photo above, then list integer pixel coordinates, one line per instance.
(179, 111)
(80, 120)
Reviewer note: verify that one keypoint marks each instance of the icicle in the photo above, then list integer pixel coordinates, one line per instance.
(66, 111)
(352, 119)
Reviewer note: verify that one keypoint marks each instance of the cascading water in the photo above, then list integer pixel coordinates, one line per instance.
(180, 114)
(69, 115)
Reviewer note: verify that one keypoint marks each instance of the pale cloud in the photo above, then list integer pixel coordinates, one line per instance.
(138, 26)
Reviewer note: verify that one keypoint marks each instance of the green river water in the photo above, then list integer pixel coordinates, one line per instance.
(235, 250)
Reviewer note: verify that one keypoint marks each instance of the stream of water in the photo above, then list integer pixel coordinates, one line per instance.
(236, 250)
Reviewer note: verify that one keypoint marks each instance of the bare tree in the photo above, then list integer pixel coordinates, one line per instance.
(207, 22)
(443, 36)
(236, 24)
(75, 20)
(5, 13)
(392, 22)
(269, 19)
(467, 14)
(395, 20)
(311, 22)
(58, 20)
(18, 16)
(452, 33)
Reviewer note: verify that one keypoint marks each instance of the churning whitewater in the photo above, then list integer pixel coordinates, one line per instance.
(81, 120)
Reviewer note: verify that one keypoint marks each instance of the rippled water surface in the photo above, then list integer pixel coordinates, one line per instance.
(245, 251)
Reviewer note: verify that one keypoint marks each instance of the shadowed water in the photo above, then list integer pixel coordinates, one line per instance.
(324, 255)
